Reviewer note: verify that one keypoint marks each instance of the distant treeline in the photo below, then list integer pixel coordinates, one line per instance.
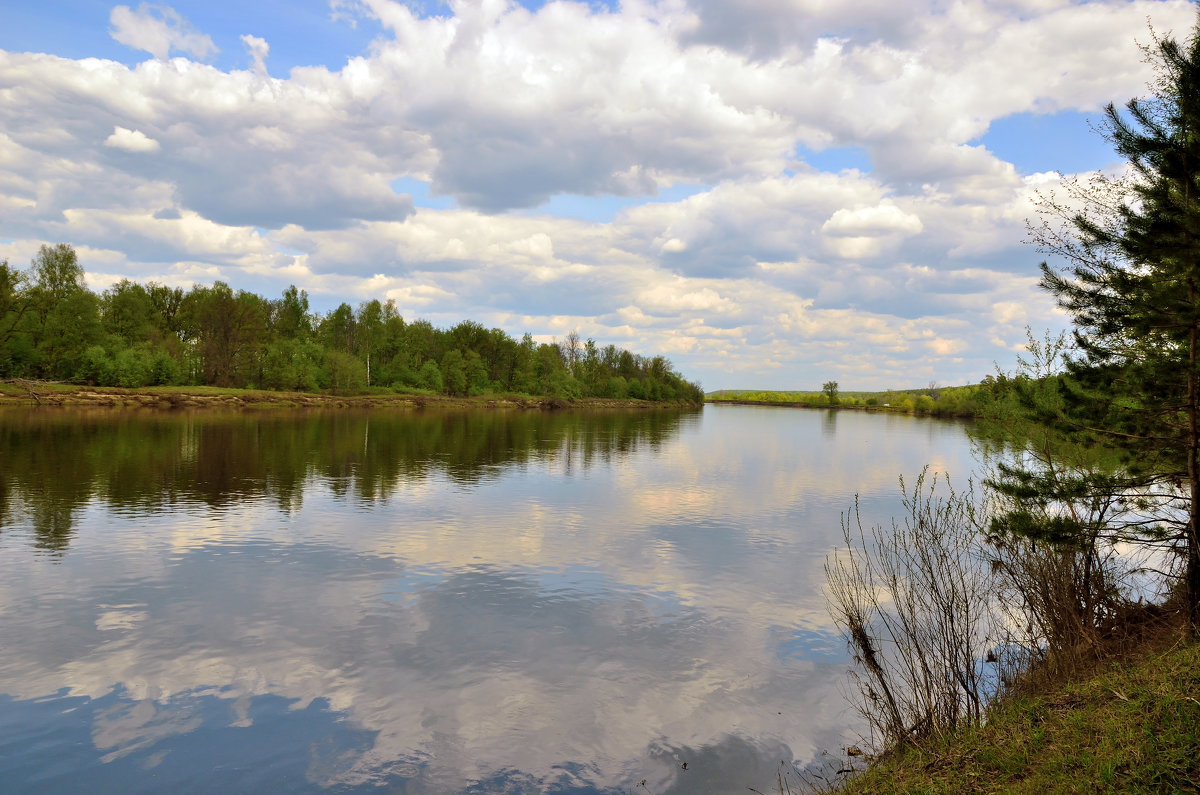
(957, 401)
(52, 327)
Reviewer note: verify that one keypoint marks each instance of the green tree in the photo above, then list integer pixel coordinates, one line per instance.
(293, 365)
(347, 375)
(394, 363)
(57, 271)
(164, 369)
(369, 325)
(454, 372)
(830, 389)
(1061, 510)
(424, 342)
(552, 376)
(1131, 289)
(499, 354)
(66, 315)
(339, 328)
(133, 367)
(290, 318)
(524, 374)
(167, 303)
(95, 367)
(227, 332)
(477, 374)
(430, 377)
(14, 303)
(128, 312)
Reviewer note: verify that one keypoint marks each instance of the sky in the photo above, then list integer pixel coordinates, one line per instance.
(771, 193)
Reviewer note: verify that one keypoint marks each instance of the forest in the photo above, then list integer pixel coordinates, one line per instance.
(52, 327)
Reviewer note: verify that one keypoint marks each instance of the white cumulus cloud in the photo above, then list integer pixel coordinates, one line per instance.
(158, 30)
(131, 140)
(883, 219)
(704, 119)
(258, 49)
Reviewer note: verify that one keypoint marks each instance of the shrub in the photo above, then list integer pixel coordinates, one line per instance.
(916, 604)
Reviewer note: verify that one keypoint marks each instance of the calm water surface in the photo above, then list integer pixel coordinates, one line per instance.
(430, 602)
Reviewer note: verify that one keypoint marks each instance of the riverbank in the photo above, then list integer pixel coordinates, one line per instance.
(1130, 724)
(958, 401)
(32, 393)
(873, 408)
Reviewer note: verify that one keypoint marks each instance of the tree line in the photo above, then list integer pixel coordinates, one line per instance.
(971, 400)
(53, 327)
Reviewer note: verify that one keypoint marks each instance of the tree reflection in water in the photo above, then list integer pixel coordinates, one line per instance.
(52, 462)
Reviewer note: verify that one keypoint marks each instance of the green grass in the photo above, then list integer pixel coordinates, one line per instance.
(1132, 726)
(19, 388)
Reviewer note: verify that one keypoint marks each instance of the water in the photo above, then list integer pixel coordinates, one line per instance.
(431, 602)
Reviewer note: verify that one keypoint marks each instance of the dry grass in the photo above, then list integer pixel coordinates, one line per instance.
(916, 603)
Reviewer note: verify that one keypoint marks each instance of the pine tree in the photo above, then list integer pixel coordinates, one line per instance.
(1132, 289)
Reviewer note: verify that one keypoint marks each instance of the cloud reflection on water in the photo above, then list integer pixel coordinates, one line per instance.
(524, 628)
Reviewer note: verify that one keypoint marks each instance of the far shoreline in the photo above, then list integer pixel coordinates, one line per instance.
(876, 409)
(32, 394)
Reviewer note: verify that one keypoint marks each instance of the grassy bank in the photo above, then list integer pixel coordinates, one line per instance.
(27, 393)
(1131, 724)
(933, 609)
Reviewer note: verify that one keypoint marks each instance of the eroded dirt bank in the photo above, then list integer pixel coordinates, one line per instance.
(32, 393)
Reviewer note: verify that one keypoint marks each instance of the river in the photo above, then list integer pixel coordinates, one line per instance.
(431, 601)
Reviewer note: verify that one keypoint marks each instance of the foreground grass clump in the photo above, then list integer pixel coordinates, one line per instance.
(1131, 725)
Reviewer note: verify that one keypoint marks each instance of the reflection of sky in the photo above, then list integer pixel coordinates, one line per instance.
(585, 628)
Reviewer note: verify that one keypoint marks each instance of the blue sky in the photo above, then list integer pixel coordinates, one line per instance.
(1070, 141)
(301, 32)
(773, 193)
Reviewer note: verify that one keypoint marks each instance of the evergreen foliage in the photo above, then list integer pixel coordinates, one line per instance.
(1130, 286)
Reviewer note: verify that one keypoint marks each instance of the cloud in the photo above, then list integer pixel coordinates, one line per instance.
(258, 49)
(521, 106)
(158, 30)
(131, 140)
(538, 656)
(767, 28)
(882, 219)
(236, 147)
(946, 347)
(866, 232)
(768, 270)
